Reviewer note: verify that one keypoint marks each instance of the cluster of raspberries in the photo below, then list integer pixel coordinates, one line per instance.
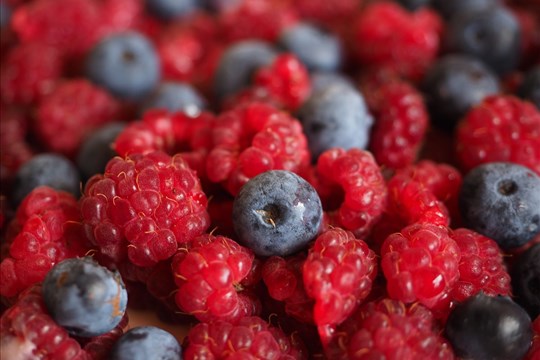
(393, 256)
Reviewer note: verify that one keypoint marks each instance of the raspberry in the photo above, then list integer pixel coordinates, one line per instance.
(401, 123)
(118, 15)
(47, 230)
(389, 329)
(356, 174)
(481, 267)
(99, 347)
(252, 139)
(208, 272)
(29, 332)
(14, 150)
(250, 338)
(328, 13)
(29, 72)
(500, 128)
(386, 35)
(338, 274)
(286, 80)
(179, 51)
(73, 109)
(70, 25)
(142, 207)
(421, 263)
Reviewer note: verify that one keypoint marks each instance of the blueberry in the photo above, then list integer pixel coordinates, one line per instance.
(335, 116)
(84, 297)
(529, 89)
(413, 5)
(316, 48)
(492, 35)
(501, 201)
(175, 96)
(277, 213)
(126, 64)
(96, 150)
(146, 342)
(5, 15)
(323, 79)
(49, 169)
(526, 280)
(449, 9)
(238, 63)
(453, 85)
(170, 9)
(489, 328)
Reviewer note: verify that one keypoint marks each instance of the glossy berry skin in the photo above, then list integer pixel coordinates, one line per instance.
(49, 169)
(96, 150)
(175, 96)
(84, 297)
(336, 116)
(277, 213)
(316, 49)
(146, 342)
(500, 201)
(453, 85)
(126, 64)
(237, 65)
(529, 89)
(485, 327)
(492, 35)
(170, 9)
(526, 280)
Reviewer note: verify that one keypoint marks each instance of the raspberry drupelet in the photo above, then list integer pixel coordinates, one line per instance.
(208, 272)
(142, 207)
(421, 263)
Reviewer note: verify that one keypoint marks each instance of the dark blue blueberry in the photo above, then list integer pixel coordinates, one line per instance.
(322, 79)
(146, 342)
(53, 170)
(175, 96)
(502, 202)
(492, 35)
(277, 213)
(5, 14)
(171, 9)
(449, 9)
(96, 150)
(316, 48)
(237, 65)
(413, 5)
(489, 328)
(526, 280)
(220, 6)
(125, 64)
(84, 297)
(453, 85)
(335, 116)
(529, 89)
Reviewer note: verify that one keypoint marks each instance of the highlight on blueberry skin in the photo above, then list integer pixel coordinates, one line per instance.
(146, 342)
(277, 213)
(489, 328)
(501, 201)
(84, 297)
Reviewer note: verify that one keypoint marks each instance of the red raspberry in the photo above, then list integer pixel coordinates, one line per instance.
(47, 230)
(70, 25)
(389, 329)
(386, 35)
(99, 347)
(328, 13)
(534, 351)
(252, 139)
(28, 332)
(251, 338)
(118, 15)
(481, 267)
(338, 274)
(284, 281)
(14, 149)
(259, 19)
(286, 80)
(401, 123)
(208, 272)
(421, 263)
(142, 207)
(180, 52)
(74, 109)
(355, 174)
(500, 128)
(29, 72)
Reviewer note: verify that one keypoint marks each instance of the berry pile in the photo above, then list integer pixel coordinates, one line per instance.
(272, 179)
